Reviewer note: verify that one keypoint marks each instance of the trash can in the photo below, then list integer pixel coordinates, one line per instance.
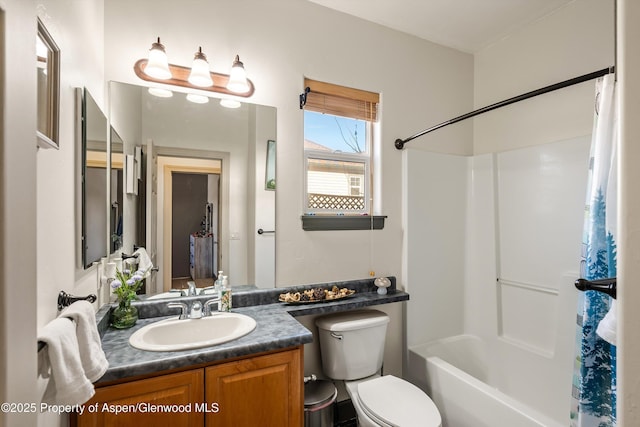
(319, 398)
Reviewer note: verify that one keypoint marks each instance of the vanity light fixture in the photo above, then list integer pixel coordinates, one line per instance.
(160, 93)
(157, 69)
(198, 99)
(200, 73)
(158, 64)
(230, 103)
(238, 77)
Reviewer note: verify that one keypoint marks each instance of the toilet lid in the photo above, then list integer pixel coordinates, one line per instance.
(396, 402)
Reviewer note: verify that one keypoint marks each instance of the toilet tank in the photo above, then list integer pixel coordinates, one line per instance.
(352, 343)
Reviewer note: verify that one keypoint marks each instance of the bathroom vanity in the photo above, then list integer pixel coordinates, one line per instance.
(254, 380)
(259, 390)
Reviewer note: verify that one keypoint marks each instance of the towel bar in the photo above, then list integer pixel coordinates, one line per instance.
(606, 286)
(65, 300)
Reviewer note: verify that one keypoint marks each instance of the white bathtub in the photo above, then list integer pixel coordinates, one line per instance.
(453, 371)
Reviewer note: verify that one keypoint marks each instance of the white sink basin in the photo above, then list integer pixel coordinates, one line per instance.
(175, 334)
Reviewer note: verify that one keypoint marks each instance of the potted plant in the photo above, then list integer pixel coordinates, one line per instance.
(125, 286)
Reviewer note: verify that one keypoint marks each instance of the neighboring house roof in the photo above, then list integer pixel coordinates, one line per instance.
(311, 145)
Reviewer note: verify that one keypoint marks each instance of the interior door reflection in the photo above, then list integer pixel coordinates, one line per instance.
(194, 228)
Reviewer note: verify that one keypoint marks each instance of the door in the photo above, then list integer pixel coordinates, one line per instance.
(169, 165)
(179, 390)
(189, 207)
(261, 391)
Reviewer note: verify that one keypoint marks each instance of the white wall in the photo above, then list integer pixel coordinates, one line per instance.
(77, 28)
(265, 204)
(435, 208)
(279, 50)
(38, 219)
(575, 40)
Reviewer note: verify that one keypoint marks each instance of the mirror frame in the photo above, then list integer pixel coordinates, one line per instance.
(50, 106)
(82, 123)
(166, 151)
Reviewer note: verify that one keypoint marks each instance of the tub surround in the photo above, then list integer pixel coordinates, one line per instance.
(276, 328)
(454, 371)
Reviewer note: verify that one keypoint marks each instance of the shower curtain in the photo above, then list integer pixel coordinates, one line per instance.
(594, 379)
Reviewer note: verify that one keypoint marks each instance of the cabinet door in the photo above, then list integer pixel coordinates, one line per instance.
(175, 394)
(261, 391)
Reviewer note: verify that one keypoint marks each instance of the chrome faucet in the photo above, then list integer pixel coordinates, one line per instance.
(196, 310)
(203, 291)
(192, 288)
(183, 308)
(206, 310)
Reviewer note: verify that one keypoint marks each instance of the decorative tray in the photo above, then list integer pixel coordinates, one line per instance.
(316, 295)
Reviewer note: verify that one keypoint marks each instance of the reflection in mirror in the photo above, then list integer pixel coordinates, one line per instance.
(194, 188)
(115, 192)
(94, 181)
(48, 83)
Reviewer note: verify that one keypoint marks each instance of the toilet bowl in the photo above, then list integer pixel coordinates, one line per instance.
(352, 349)
(389, 401)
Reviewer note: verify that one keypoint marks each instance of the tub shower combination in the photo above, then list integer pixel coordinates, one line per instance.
(493, 246)
(454, 372)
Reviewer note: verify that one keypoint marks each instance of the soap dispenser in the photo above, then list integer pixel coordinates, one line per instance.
(225, 295)
(217, 285)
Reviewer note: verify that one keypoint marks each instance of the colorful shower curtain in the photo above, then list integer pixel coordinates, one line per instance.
(594, 378)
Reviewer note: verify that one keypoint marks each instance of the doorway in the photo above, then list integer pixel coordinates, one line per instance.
(189, 189)
(194, 203)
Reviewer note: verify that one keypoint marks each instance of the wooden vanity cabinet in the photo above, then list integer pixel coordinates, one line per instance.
(180, 388)
(261, 391)
(264, 390)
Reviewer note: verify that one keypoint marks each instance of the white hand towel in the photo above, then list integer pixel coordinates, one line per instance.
(607, 328)
(94, 362)
(144, 262)
(67, 384)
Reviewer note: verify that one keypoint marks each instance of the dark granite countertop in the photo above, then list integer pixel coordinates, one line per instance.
(276, 329)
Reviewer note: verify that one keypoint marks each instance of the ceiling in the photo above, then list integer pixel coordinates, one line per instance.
(467, 25)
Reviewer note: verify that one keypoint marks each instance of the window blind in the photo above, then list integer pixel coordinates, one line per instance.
(341, 101)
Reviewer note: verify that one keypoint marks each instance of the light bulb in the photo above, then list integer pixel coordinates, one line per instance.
(158, 64)
(198, 99)
(230, 103)
(160, 93)
(238, 77)
(200, 74)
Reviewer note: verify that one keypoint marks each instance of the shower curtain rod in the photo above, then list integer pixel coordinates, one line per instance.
(580, 79)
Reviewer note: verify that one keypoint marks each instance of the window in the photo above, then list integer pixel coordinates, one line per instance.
(338, 127)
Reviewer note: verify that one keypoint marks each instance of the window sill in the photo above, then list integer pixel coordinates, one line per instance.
(326, 222)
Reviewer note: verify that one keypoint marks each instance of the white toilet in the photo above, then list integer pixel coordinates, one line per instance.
(352, 348)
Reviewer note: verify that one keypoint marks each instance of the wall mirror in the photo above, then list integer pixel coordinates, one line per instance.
(193, 187)
(116, 191)
(48, 84)
(94, 163)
